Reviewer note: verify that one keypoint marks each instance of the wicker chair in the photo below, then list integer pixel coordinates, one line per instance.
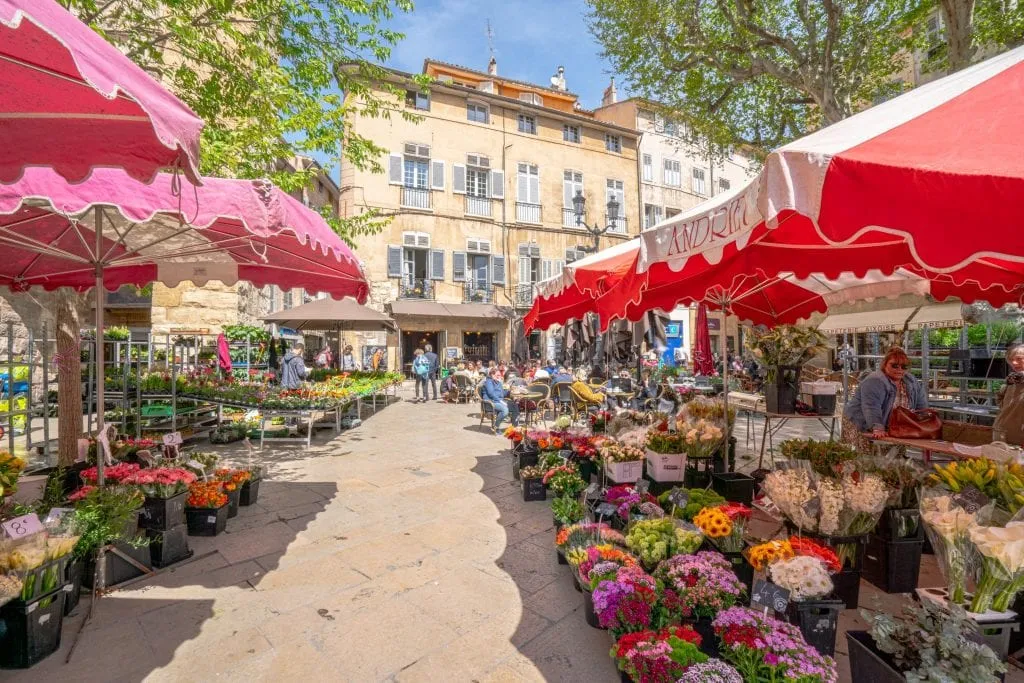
(463, 388)
(486, 406)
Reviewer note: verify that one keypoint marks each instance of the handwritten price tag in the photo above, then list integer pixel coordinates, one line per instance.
(770, 596)
(23, 526)
(172, 439)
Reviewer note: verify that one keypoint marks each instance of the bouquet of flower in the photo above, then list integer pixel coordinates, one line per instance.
(791, 345)
(514, 434)
(711, 671)
(704, 584)
(160, 482)
(626, 603)
(583, 448)
(762, 555)
(232, 479)
(208, 494)
(550, 443)
(532, 472)
(628, 502)
(111, 475)
(1002, 565)
(564, 480)
(606, 559)
(948, 527)
(567, 510)
(613, 451)
(701, 438)
(658, 656)
(710, 410)
(763, 648)
(599, 420)
(805, 577)
(903, 478)
(654, 540)
(826, 457)
(697, 500)
(724, 525)
(10, 469)
(586, 534)
(660, 440)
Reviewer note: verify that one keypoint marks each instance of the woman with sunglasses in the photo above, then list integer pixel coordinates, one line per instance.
(867, 412)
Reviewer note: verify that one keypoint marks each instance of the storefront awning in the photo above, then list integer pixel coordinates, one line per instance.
(938, 316)
(891, 320)
(442, 310)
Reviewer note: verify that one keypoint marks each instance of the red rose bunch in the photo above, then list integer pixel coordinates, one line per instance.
(805, 546)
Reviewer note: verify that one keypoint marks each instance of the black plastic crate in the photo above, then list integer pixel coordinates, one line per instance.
(30, 632)
(898, 524)
(117, 568)
(533, 489)
(163, 513)
(250, 492)
(868, 663)
(893, 566)
(43, 580)
(168, 547)
(206, 521)
(73, 584)
(818, 621)
(735, 487)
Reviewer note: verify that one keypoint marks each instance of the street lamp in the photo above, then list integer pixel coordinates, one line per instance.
(579, 205)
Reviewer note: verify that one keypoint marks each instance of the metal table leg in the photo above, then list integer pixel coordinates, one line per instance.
(764, 440)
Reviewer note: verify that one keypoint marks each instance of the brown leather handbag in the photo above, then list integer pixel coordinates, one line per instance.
(905, 423)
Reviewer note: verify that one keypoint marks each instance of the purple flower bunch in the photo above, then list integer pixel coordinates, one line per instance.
(704, 584)
(765, 648)
(626, 603)
(711, 671)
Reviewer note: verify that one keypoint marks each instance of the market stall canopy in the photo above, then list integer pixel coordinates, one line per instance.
(331, 314)
(938, 316)
(73, 102)
(891, 320)
(438, 309)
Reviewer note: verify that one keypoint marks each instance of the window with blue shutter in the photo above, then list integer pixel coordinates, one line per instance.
(498, 269)
(459, 266)
(437, 264)
(394, 261)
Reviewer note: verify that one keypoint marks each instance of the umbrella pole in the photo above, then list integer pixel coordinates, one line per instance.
(725, 379)
(100, 370)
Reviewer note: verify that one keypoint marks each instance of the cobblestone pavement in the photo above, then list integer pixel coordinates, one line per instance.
(398, 551)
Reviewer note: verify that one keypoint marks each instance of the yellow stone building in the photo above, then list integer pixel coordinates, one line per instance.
(481, 188)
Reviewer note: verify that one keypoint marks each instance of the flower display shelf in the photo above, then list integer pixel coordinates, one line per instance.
(665, 467)
(533, 490)
(250, 492)
(234, 497)
(868, 663)
(162, 514)
(624, 472)
(818, 621)
(893, 566)
(735, 487)
(30, 632)
(206, 521)
(995, 628)
(168, 547)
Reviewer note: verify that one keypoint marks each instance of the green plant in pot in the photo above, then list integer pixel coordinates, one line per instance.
(102, 515)
(567, 510)
(783, 350)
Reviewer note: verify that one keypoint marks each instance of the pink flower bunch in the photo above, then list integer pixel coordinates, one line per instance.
(81, 493)
(161, 482)
(114, 474)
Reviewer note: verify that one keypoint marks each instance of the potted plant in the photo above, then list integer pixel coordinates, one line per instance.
(164, 489)
(622, 463)
(783, 350)
(929, 643)
(627, 602)
(763, 648)
(531, 480)
(666, 453)
(206, 509)
(251, 487)
(109, 515)
(702, 585)
(567, 510)
(653, 540)
(232, 481)
(593, 564)
(662, 655)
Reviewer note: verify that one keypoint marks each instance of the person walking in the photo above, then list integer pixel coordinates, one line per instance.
(293, 368)
(435, 366)
(420, 371)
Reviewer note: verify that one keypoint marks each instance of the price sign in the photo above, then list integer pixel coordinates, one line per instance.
(768, 595)
(55, 515)
(172, 439)
(605, 510)
(642, 486)
(23, 526)
(565, 454)
(971, 499)
(679, 497)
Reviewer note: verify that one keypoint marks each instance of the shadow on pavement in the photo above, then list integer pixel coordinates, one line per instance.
(552, 632)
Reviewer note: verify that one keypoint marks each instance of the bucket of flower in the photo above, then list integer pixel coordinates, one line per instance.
(206, 510)
(582, 535)
(665, 454)
(723, 527)
(107, 519)
(594, 564)
(763, 648)
(251, 487)
(929, 642)
(839, 511)
(671, 653)
(564, 481)
(531, 481)
(701, 440)
(805, 569)
(232, 481)
(567, 510)
(630, 505)
(623, 464)
(165, 489)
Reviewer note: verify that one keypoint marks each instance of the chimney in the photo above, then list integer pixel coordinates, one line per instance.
(611, 96)
(492, 66)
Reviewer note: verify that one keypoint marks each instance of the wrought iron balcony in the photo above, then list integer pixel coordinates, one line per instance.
(569, 218)
(527, 213)
(525, 294)
(415, 289)
(617, 226)
(415, 198)
(478, 293)
(478, 206)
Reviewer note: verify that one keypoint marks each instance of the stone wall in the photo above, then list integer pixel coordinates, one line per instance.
(188, 307)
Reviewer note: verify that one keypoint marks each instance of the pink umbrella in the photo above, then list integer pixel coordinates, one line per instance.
(111, 230)
(703, 358)
(73, 102)
(223, 353)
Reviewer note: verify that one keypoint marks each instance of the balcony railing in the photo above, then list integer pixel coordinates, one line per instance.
(478, 293)
(617, 226)
(527, 213)
(415, 198)
(478, 206)
(525, 294)
(415, 289)
(568, 218)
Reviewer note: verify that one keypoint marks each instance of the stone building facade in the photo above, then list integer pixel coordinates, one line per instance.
(480, 188)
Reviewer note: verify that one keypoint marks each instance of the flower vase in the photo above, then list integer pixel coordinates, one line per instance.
(587, 469)
(233, 501)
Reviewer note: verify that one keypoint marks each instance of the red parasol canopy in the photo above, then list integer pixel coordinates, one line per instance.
(703, 356)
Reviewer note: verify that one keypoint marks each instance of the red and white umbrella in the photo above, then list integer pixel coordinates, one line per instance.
(73, 102)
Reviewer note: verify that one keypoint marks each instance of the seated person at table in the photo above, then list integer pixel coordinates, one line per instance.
(1009, 424)
(562, 375)
(584, 393)
(867, 413)
(494, 392)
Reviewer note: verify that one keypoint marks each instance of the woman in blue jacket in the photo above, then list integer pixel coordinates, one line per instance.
(867, 412)
(494, 391)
